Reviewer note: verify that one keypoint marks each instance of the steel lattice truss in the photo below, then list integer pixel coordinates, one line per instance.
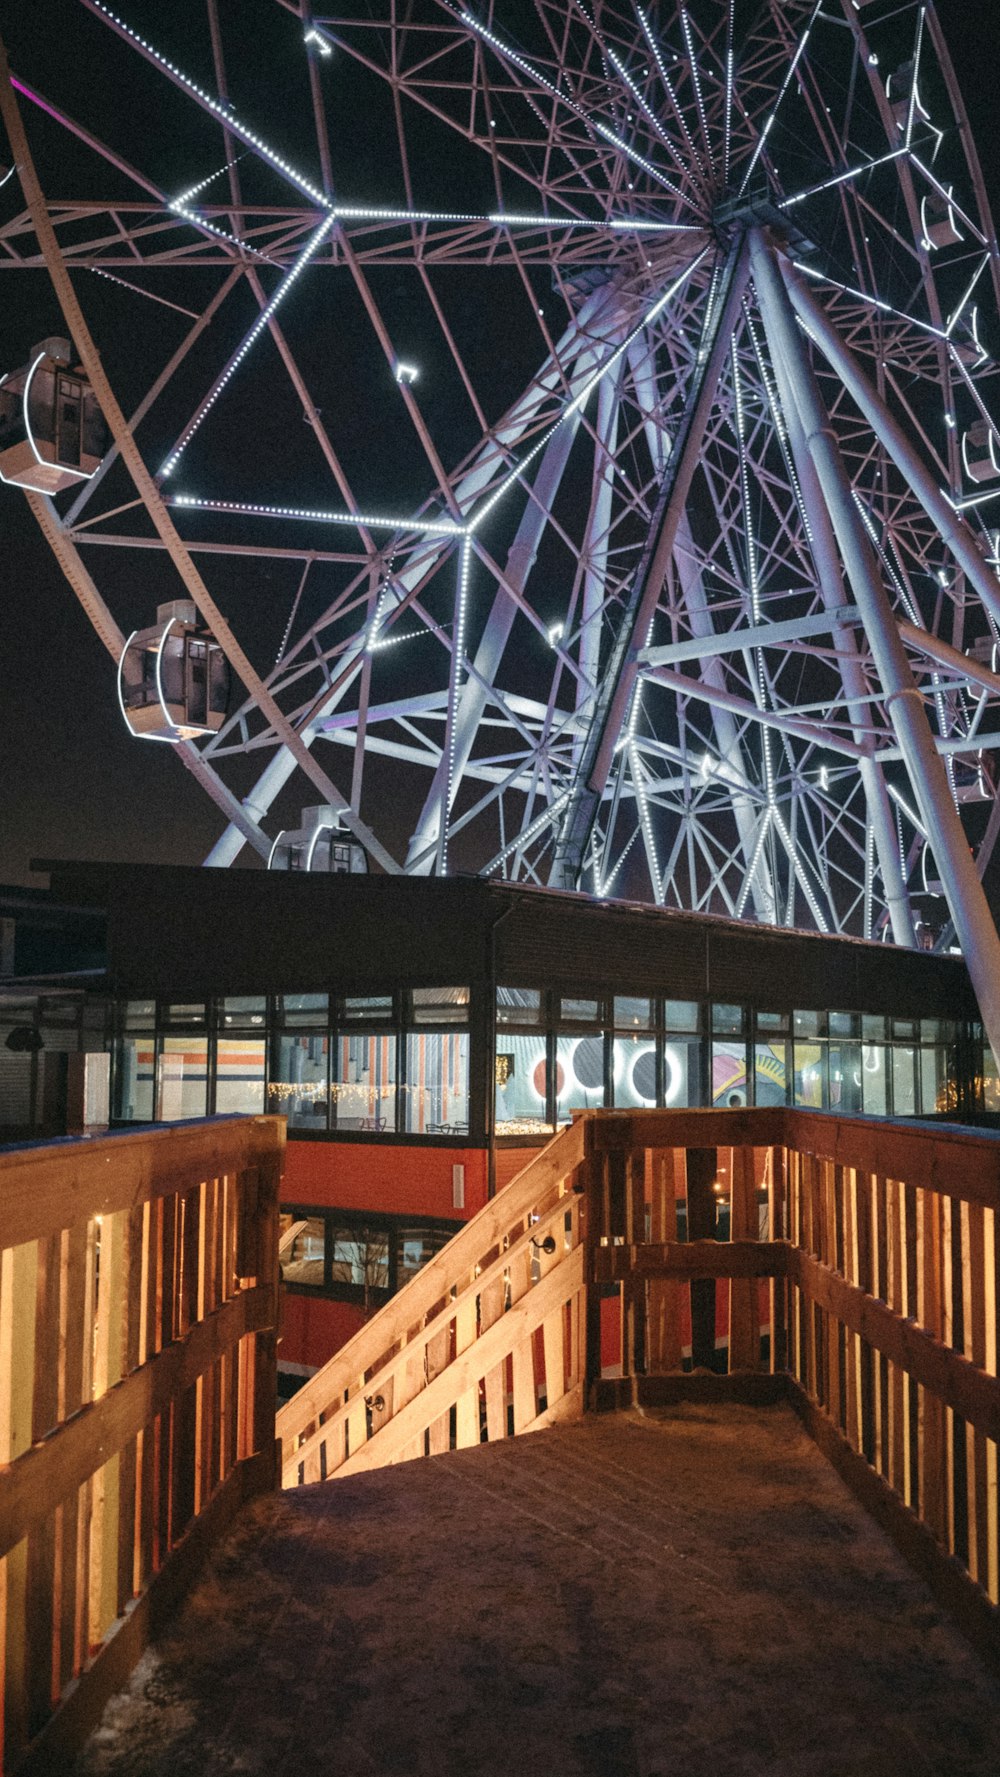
(599, 633)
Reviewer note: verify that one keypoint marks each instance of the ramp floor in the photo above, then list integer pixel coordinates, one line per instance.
(685, 1591)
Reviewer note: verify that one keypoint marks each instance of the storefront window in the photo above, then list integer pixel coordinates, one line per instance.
(243, 1012)
(936, 1081)
(579, 1075)
(521, 1084)
(299, 1084)
(904, 1081)
(360, 1256)
(239, 1075)
(182, 1080)
(682, 1014)
(770, 1071)
(436, 1093)
(808, 1061)
(730, 1087)
(874, 1096)
(845, 1076)
(415, 1246)
(633, 1072)
(576, 1011)
(440, 1005)
(135, 1077)
(364, 1082)
(681, 1072)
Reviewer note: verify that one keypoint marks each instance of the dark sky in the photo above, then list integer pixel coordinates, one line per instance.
(74, 783)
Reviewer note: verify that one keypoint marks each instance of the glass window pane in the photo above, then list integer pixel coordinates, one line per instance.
(682, 1014)
(369, 1007)
(936, 1081)
(239, 1075)
(436, 1096)
(904, 1027)
(729, 1020)
(440, 1005)
(134, 1078)
(303, 1008)
(873, 1027)
(360, 1256)
(634, 1014)
(808, 1068)
(519, 1005)
(579, 1075)
(521, 1080)
(873, 1079)
(633, 1072)
(770, 1072)
(904, 1082)
(415, 1246)
(300, 1250)
(298, 1088)
(183, 1078)
(575, 1011)
(808, 1024)
(364, 1082)
(845, 1077)
(776, 1021)
(729, 1074)
(189, 1013)
(991, 1084)
(682, 1072)
(844, 1024)
(243, 1010)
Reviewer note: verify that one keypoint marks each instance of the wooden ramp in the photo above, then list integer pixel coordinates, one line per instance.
(686, 1590)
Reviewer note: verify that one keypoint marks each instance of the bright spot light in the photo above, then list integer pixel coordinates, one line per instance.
(406, 373)
(555, 633)
(320, 42)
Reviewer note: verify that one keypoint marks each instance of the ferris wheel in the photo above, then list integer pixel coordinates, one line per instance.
(642, 533)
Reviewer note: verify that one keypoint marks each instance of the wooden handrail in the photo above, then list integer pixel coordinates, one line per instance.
(443, 1302)
(138, 1307)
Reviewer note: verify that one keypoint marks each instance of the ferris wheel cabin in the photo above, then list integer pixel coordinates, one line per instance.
(319, 844)
(52, 431)
(173, 682)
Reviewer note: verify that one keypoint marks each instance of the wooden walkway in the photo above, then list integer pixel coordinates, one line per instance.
(687, 1591)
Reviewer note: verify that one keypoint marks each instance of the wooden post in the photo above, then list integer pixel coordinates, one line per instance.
(702, 1164)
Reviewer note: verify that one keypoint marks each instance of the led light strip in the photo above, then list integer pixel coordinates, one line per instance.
(254, 334)
(432, 527)
(224, 113)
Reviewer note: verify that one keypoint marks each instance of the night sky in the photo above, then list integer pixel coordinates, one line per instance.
(74, 783)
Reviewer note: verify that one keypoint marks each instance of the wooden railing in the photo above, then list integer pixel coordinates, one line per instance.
(850, 1265)
(485, 1342)
(138, 1295)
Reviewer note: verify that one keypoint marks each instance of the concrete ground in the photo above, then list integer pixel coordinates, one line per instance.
(685, 1591)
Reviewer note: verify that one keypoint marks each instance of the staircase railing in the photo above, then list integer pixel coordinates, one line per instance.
(488, 1339)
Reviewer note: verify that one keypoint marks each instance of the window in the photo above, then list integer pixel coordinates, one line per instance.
(577, 1011)
(139, 1014)
(244, 1012)
(299, 1085)
(682, 1072)
(301, 1250)
(633, 1071)
(682, 1014)
(182, 1078)
(521, 1084)
(416, 1245)
(360, 1256)
(188, 1013)
(436, 1092)
(371, 1008)
(135, 1073)
(239, 1075)
(363, 1088)
(579, 1078)
(634, 1014)
(729, 1020)
(440, 1005)
(301, 1009)
(519, 1005)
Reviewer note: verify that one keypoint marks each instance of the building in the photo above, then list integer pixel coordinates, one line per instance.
(422, 1036)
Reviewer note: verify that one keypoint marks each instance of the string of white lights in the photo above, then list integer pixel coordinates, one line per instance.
(786, 83)
(373, 521)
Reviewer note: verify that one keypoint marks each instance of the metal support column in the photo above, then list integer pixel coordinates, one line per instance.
(974, 925)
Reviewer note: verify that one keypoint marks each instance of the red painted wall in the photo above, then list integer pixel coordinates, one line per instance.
(312, 1328)
(399, 1180)
(508, 1162)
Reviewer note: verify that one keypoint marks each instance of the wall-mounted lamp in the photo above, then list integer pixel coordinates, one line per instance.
(548, 1245)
